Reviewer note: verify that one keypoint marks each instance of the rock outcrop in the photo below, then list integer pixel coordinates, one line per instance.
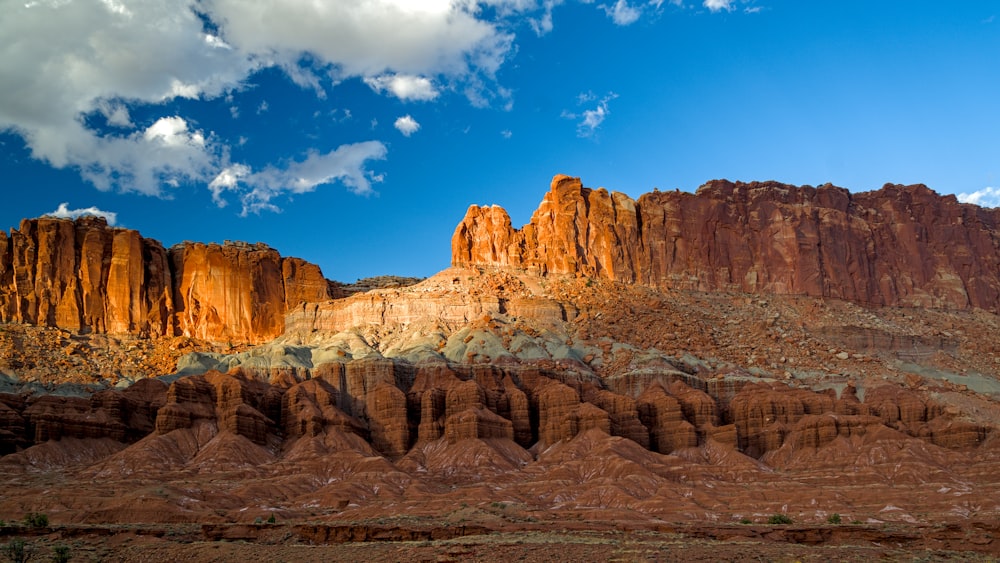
(85, 276)
(897, 246)
(399, 407)
(124, 416)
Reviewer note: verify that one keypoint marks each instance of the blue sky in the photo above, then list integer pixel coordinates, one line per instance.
(355, 133)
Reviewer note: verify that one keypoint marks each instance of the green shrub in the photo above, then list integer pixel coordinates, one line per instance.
(60, 554)
(18, 551)
(36, 520)
(272, 519)
(779, 519)
(746, 521)
(834, 518)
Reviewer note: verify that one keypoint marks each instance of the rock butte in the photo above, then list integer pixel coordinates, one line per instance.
(898, 246)
(85, 276)
(749, 349)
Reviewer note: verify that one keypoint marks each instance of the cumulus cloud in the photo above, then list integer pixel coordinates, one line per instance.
(986, 197)
(366, 37)
(406, 125)
(347, 165)
(64, 62)
(718, 5)
(622, 13)
(404, 87)
(64, 212)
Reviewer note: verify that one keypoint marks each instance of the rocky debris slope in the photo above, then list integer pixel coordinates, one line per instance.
(380, 438)
(87, 277)
(898, 246)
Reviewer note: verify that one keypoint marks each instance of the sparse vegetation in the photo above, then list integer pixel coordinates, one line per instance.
(60, 554)
(272, 519)
(777, 519)
(36, 520)
(18, 551)
(745, 521)
(834, 518)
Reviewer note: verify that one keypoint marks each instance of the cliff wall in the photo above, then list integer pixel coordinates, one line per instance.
(85, 276)
(897, 246)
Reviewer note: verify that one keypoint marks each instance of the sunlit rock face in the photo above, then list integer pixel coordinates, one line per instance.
(900, 245)
(85, 276)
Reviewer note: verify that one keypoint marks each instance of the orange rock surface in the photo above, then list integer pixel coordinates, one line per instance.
(750, 371)
(85, 276)
(900, 245)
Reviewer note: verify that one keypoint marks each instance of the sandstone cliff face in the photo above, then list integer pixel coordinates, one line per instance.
(900, 245)
(85, 276)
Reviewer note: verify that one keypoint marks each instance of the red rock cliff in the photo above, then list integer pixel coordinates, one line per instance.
(900, 245)
(85, 276)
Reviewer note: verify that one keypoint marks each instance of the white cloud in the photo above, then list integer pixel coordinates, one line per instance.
(62, 62)
(64, 212)
(622, 13)
(718, 5)
(366, 37)
(226, 181)
(406, 125)
(506, 133)
(257, 190)
(403, 86)
(590, 119)
(986, 197)
(173, 132)
(543, 24)
(116, 114)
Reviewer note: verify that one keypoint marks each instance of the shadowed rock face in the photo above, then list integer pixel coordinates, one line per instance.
(900, 245)
(85, 276)
(527, 404)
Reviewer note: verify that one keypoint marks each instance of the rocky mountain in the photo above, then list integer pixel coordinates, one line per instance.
(715, 357)
(898, 246)
(88, 277)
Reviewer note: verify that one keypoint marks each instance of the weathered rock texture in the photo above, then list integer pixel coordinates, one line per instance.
(86, 276)
(900, 245)
(398, 407)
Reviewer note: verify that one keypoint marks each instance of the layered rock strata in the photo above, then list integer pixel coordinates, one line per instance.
(85, 276)
(399, 407)
(897, 246)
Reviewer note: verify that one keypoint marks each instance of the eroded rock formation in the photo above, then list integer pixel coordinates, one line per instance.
(85, 276)
(398, 407)
(900, 245)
